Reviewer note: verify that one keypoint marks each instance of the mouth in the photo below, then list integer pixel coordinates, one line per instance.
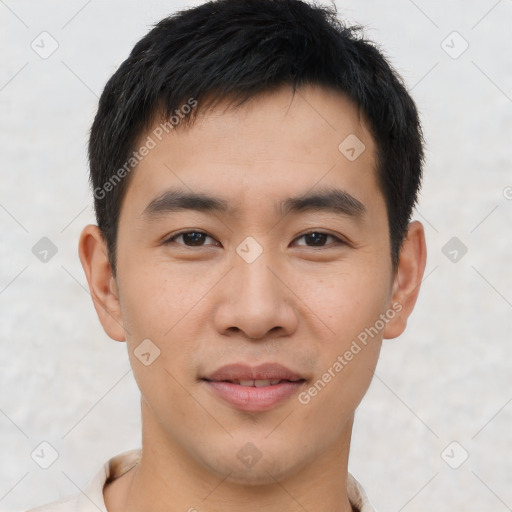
(253, 389)
(262, 375)
(257, 383)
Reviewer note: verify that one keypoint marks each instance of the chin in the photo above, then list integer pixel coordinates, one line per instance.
(250, 467)
(262, 474)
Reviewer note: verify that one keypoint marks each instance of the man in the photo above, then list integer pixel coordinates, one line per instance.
(254, 165)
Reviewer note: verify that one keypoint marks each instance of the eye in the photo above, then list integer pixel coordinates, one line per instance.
(318, 239)
(197, 239)
(189, 238)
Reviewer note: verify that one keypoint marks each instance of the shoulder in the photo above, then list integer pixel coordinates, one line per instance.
(65, 505)
(91, 499)
(357, 496)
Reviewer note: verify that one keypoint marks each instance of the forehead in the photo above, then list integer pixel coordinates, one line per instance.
(272, 145)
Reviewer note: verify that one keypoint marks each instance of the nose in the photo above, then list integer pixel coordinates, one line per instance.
(255, 299)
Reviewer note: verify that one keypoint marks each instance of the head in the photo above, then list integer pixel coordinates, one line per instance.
(299, 152)
(235, 50)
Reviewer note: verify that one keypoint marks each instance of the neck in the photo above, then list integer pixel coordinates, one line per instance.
(168, 479)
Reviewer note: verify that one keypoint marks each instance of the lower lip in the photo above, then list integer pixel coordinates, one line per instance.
(253, 399)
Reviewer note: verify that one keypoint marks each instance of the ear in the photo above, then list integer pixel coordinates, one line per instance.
(102, 285)
(407, 281)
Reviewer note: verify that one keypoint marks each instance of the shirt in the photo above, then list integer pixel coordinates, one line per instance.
(91, 500)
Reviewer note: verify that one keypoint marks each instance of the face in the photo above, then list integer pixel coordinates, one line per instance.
(265, 307)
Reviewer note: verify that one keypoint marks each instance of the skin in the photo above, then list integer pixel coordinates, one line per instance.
(297, 304)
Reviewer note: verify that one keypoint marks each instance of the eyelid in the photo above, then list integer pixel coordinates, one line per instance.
(338, 239)
(171, 237)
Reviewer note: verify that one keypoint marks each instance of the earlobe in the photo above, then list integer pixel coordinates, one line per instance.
(102, 285)
(407, 282)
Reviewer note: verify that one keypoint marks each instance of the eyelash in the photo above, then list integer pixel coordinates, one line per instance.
(338, 241)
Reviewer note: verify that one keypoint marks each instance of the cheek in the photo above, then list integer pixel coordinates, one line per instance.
(345, 301)
(330, 401)
(347, 353)
(349, 308)
(162, 310)
(163, 307)
(156, 298)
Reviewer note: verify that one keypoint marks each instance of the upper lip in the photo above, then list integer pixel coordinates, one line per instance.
(265, 371)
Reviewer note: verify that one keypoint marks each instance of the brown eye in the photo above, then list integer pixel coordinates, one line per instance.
(318, 239)
(190, 238)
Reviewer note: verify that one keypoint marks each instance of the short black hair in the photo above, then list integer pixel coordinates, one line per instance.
(235, 50)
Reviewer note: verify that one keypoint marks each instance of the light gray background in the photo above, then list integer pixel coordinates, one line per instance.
(448, 378)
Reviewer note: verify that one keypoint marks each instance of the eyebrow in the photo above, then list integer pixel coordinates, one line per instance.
(327, 199)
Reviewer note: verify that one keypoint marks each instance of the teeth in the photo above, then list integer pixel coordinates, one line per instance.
(261, 383)
(257, 383)
(248, 383)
